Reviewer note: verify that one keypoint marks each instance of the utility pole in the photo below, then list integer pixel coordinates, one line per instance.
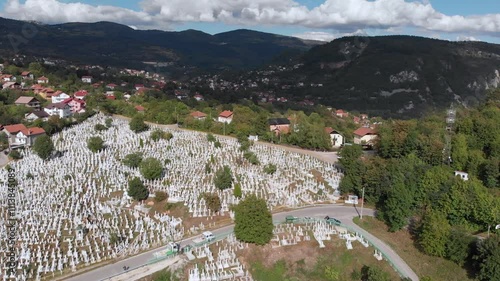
(362, 203)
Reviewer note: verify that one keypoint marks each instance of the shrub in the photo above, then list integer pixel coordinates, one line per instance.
(95, 144)
(137, 190)
(213, 201)
(270, 169)
(223, 178)
(100, 127)
(14, 154)
(133, 160)
(151, 168)
(160, 196)
(43, 147)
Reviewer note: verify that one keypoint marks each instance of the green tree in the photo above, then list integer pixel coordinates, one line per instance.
(459, 152)
(109, 122)
(270, 169)
(95, 144)
(151, 168)
(434, 233)
(237, 190)
(43, 147)
(459, 246)
(133, 160)
(137, 124)
(374, 273)
(223, 178)
(100, 127)
(137, 190)
(160, 196)
(213, 201)
(253, 221)
(398, 206)
(488, 258)
(14, 154)
(4, 141)
(158, 134)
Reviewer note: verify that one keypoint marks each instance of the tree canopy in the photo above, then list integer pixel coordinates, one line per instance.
(151, 168)
(253, 221)
(43, 147)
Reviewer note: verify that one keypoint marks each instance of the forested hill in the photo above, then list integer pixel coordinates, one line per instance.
(398, 75)
(107, 43)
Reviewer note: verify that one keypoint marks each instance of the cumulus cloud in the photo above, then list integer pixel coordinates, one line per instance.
(53, 11)
(340, 15)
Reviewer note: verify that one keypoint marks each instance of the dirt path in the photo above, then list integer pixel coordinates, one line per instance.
(3, 159)
(326, 156)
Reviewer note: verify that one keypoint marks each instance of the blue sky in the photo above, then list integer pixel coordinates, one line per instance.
(311, 19)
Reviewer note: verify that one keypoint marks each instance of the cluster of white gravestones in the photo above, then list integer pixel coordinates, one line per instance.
(74, 210)
(289, 234)
(224, 266)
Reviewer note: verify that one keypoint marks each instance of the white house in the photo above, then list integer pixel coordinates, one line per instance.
(337, 139)
(225, 116)
(58, 109)
(365, 136)
(27, 137)
(463, 175)
(44, 116)
(60, 97)
(87, 79)
(42, 80)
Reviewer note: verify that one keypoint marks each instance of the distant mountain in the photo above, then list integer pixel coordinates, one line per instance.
(119, 45)
(397, 75)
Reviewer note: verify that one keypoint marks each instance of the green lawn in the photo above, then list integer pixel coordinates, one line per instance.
(401, 242)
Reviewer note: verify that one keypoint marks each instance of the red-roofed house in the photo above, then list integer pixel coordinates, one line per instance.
(111, 86)
(198, 97)
(42, 80)
(225, 116)
(11, 131)
(110, 97)
(7, 78)
(27, 75)
(30, 102)
(27, 137)
(340, 113)
(60, 109)
(75, 105)
(80, 94)
(337, 138)
(139, 108)
(365, 136)
(198, 115)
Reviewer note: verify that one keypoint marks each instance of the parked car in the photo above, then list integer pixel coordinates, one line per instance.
(333, 220)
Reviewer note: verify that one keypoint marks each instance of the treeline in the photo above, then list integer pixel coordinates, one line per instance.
(412, 188)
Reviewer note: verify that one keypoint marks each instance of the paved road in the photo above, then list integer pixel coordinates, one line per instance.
(343, 213)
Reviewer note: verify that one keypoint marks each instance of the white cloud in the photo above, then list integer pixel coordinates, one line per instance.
(341, 15)
(466, 38)
(53, 11)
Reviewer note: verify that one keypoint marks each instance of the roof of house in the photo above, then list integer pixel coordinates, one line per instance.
(278, 121)
(364, 131)
(226, 114)
(86, 76)
(25, 73)
(139, 108)
(33, 131)
(9, 84)
(111, 97)
(70, 99)
(81, 93)
(40, 114)
(340, 111)
(198, 114)
(58, 105)
(330, 130)
(14, 129)
(25, 100)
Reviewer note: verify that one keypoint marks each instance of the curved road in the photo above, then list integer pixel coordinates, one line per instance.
(344, 213)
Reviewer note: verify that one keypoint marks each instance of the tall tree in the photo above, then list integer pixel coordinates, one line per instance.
(434, 233)
(253, 221)
(137, 190)
(151, 168)
(43, 147)
(488, 258)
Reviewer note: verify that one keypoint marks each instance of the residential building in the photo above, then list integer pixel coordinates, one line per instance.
(59, 96)
(198, 115)
(87, 79)
(75, 105)
(27, 75)
(42, 80)
(225, 116)
(462, 175)
(35, 115)
(341, 113)
(365, 136)
(337, 138)
(30, 102)
(279, 125)
(58, 109)
(198, 97)
(27, 137)
(80, 94)
(11, 131)
(11, 85)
